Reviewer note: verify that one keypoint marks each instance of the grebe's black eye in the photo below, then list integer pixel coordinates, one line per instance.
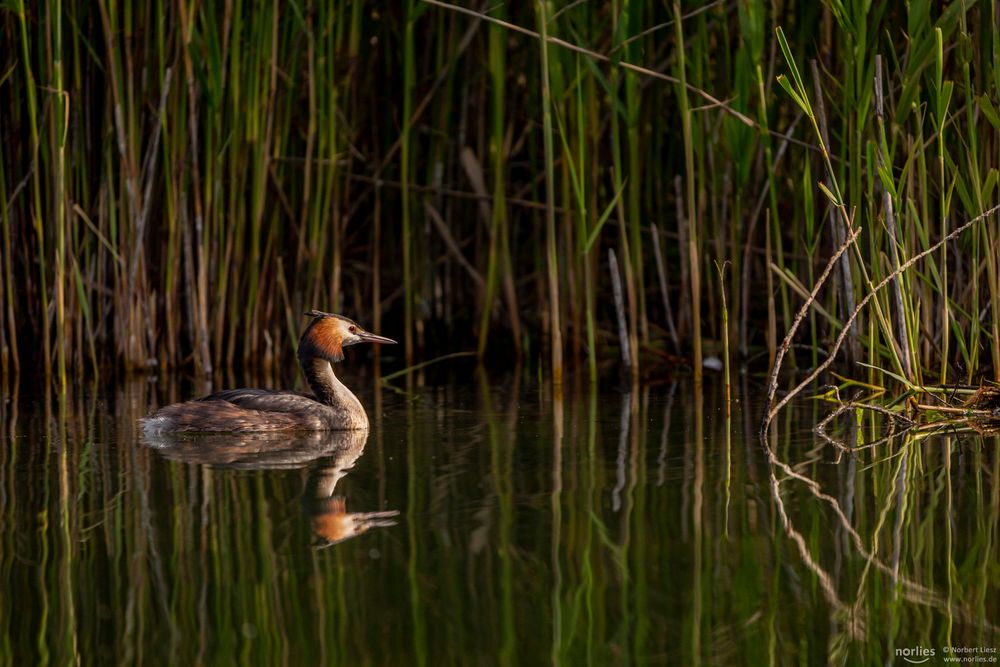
(352, 328)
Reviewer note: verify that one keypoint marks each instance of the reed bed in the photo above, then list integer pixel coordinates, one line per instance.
(179, 182)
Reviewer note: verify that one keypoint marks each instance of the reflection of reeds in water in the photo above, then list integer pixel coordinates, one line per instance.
(562, 526)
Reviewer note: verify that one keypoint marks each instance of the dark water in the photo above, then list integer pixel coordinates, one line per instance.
(486, 522)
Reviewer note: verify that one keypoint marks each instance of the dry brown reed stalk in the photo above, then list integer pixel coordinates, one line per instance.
(772, 324)
(556, 341)
(623, 334)
(494, 213)
(836, 231)
(684, 314)
(890, 225)
(447, 192)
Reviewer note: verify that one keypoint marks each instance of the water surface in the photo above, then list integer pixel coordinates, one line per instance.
(489, 521)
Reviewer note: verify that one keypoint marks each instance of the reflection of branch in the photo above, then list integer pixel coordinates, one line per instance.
(624, 422)
(856, 624)
(816, 490)
(894, 418)
(899, 482)
(911, 590)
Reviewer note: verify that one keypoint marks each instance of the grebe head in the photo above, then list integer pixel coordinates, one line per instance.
(328, 334)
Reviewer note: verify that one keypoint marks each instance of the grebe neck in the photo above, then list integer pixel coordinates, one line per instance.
(343, 409)
(329, 390)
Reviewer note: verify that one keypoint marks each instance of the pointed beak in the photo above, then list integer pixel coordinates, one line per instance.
(372, 338)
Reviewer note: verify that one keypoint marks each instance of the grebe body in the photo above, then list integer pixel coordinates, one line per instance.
(331, 406)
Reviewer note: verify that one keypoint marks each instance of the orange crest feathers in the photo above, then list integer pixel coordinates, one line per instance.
(325, 337)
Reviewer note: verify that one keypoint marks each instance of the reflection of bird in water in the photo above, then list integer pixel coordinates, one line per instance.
(331, 406)
(259, 451)
(331, 522)
(334, 453)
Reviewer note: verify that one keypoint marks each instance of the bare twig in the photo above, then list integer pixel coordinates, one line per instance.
(448, 192)
(597, 56)
(772, 409)
(666, 24)
(772, 384)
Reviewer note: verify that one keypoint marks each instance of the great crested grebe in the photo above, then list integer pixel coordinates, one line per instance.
(331, 407)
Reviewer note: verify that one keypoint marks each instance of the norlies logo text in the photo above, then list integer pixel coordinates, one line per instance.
(916, 654)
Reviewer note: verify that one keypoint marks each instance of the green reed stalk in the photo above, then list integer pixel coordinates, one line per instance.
(943, 90)
(587, 256)
(992, 238)
(497, 66)
(812, 245)
(580, 250)
(974, 186)
(724, 315)
(772, 191)
(409, 76)
(36, 185)
(691, 205)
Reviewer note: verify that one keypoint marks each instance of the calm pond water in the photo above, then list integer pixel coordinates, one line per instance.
(493, 521)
